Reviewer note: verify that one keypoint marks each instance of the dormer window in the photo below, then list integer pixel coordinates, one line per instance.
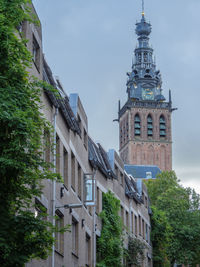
(149, 126)
(148, 175)
(137, 125)
(162, 127)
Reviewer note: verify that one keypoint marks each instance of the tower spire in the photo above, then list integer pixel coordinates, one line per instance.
(143, 8)
(144, 82)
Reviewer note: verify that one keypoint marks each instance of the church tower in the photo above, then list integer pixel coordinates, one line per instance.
(145, 119)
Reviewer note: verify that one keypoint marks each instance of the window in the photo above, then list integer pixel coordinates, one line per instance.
(116, 171)
(87, 250)
(36, 52)
(162, 127)
(40, 210)
(143, 230)
(149, 126)
(146, 202)
(98, 201)
(73, 171)
(79, 182)
(135, 225)
(65, 167)
(127, 220)
(79, 122)
(122, 214)
(149, 175)
(146, 237)
(85, 139)
(139, 57)
(137, 125)
(57, 154)
(121, 179)
(149, 235)
(132, 224)
(59, 236)
(145, 57)
(140, 233)
(47, 146)
(74, 236)
(20, 27)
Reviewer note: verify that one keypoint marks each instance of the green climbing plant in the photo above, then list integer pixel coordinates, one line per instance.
(110, 243)
(22, 168)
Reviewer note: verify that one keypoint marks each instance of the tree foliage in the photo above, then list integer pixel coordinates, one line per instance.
(135, 254)
(175, 220)
(110, 244)
(22, 169)
(161, 233)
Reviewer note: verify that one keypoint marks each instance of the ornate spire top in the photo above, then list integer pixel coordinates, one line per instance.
(143, 28)
(143, 8)
(144, 81)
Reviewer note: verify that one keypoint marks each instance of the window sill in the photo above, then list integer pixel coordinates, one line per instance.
(59, 253)
(73, 254)
(73, 189)
(85, 146)
(37, 67)
(65, 187)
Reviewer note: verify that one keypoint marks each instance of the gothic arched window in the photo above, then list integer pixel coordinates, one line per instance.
(149, 126)
(162, 126)
(137, 125)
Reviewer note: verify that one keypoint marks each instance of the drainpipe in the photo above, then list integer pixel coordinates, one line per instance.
(54, 183)
(94, 236)
(94, 222)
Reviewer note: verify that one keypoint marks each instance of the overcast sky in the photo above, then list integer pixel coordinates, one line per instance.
(89, 44)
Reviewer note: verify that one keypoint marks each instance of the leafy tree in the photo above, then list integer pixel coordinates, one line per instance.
(22, 169)
(161, 234)
(135, 253)
(110, 243)
(181, 219)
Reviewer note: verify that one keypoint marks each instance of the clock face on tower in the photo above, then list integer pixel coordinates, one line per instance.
(147, 94)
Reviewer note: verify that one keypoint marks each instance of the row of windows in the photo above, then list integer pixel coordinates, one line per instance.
(136, 225)
(137, 126)
(36, 51)
(63, 155)
(59, 236)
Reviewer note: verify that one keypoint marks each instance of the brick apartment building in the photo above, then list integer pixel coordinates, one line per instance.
(77, 155)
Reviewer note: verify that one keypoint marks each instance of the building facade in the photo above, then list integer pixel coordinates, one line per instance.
(145, 119)
(75, 156)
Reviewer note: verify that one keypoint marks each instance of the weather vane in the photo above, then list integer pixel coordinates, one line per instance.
(142, 7)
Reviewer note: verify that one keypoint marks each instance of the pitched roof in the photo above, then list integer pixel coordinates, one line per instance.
(98, 159)
(142, 171)
(60, 101)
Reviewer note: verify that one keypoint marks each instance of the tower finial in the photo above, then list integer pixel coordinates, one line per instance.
(143, 8)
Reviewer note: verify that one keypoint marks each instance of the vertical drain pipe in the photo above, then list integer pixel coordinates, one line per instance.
(94, 236)
(54, 183)
(94, 221)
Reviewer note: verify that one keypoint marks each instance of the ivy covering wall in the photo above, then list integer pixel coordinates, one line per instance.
(110, 243)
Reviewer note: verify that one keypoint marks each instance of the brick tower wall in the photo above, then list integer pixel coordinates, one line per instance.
(144, 150)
